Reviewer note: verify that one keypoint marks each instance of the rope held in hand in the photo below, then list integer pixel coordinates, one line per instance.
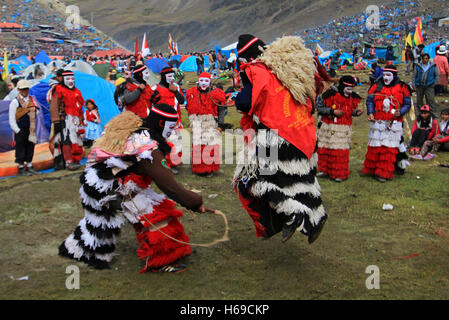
(224, 238)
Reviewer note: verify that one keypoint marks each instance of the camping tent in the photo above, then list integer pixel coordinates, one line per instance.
(31, 69)
(381, 51)
(189, 65)
(443, 22)
(430, 49)
(156, 64)
(42, 57)
(110, 53)
(81, 66)
(102, 69)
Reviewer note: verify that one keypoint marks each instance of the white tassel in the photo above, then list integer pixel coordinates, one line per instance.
(93, 180)
(101, 222)
(116, 162)
(91, 240)
(316, 215)
(96, 204)
(73, 248)
(290, 206)
(262, 187)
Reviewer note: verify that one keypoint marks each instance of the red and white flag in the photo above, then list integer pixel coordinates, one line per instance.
(145, 49)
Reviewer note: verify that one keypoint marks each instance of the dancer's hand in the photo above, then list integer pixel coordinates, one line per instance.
(201, 209)
(371, 117)
(338, 113)
(359, 112)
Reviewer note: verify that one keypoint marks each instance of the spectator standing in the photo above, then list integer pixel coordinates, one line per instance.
(443, 67)
(22, 120)
(425, 77)
(199, 63)
(335, 63)
(409, 58)
(211, 58)
(4, 90)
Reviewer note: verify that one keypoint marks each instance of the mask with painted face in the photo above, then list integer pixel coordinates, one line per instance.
(388, 78)
(146, 75)
(204, 83)
(348, 91)
(168, 129)
(170, 78)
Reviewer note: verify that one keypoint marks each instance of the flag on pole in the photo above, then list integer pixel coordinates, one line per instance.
(145, 49)
(172, 45)
(136, 48)
(408, 40)
(5, 66)
(318, 50)
(418, 38)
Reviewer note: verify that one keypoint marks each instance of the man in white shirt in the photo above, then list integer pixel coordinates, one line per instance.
(22, 120)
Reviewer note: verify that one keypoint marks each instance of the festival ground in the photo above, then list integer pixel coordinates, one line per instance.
(409, 244)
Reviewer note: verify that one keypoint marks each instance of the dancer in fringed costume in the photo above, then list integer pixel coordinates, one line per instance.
(137, 96)
(202, 108)
(275, 176)
(389, 99)
(66, 112)
(123, 163)
(169, 92)
(337, 106)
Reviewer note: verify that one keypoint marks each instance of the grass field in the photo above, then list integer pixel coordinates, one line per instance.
(409, 245)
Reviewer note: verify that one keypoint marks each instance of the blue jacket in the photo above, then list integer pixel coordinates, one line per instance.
(428, 78)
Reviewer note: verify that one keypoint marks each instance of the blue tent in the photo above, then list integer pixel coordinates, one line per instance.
(156, 64)
(42, 57)
(227, 53)
(430, 49)
(23, 60)
(189, 65)
(176, 57)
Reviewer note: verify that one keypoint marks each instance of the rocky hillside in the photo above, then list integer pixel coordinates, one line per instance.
(202, 24)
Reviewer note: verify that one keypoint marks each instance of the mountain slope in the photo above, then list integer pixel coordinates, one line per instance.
(202, 24)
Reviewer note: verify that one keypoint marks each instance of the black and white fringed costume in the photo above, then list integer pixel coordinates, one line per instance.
(276, 171)
(117, 182)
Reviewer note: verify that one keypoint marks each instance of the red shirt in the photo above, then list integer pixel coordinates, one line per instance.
(340, 102)
(201, 102)
(396, 95)
(72, 99)
(141, 106)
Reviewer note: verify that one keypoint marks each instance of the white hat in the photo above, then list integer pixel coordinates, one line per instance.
(23, 84)
(442, 50)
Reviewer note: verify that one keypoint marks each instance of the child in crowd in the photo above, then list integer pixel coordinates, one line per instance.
(92, 122)
(424, 129)
(438, 142)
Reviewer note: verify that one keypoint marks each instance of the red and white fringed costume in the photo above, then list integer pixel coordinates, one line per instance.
(385, 142)
(334, 134)
(109, 188)
(175, 139)
(73, 134)
(206, 142)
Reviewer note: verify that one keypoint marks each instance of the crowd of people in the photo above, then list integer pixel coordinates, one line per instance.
(284, 151)
(397, 19)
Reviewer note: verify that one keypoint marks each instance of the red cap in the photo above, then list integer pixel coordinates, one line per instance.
(204, 75)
